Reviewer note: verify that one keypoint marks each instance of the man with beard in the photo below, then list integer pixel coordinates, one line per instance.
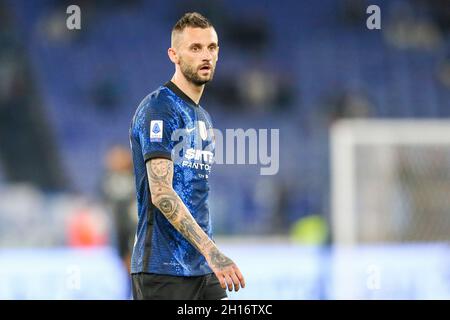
(174, 255)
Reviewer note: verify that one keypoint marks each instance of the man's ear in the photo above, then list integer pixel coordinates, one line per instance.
(172, 55)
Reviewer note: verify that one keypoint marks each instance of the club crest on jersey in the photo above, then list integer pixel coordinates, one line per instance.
(156, 130)
(202, 129)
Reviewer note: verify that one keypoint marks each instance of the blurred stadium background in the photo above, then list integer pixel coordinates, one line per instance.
(360, 208)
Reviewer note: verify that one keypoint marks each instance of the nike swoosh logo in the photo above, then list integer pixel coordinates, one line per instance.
(190, 130)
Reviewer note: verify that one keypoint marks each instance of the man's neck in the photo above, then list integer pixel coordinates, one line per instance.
(191, 90)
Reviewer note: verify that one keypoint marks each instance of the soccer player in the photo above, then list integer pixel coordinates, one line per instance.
(174, 255)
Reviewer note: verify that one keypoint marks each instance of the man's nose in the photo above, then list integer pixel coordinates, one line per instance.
(207, 55)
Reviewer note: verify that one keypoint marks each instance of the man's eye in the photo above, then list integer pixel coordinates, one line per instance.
(195, 48)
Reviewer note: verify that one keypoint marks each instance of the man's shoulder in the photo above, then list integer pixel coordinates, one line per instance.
(158, 101)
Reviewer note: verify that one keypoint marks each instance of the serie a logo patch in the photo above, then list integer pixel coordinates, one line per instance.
(156, 130)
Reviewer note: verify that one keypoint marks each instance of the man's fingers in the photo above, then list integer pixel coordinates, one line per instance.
(229, 282)
(221, 279)
(239, 275)
(235, 281)
(231, 277)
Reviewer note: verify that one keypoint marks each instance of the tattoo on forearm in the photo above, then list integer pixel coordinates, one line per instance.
(187, 228)
(160, 173)
(169, 207)
(218, 259)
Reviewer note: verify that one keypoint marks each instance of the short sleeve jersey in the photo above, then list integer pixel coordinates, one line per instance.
(168, 124)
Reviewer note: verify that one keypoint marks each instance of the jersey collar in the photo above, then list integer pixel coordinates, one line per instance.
(172, 86)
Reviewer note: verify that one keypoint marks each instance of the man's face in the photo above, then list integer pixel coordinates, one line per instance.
(198, 53)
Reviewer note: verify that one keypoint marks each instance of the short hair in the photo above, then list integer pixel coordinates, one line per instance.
(190, 19)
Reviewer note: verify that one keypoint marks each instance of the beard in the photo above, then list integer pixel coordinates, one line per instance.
(191, 74)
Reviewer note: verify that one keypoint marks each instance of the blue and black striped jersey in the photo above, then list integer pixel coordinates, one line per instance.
(159, 248)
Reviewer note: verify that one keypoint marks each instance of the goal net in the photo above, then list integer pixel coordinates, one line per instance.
(390, 181)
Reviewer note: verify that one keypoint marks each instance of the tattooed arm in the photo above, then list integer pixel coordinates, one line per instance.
(164, 197)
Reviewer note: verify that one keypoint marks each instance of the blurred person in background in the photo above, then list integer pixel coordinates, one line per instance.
(118, 193)
(174, 255)
(347, 103)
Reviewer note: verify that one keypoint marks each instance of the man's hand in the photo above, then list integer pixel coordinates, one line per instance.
(225, 270)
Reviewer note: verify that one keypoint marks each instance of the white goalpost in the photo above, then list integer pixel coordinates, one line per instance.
(390, 181)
